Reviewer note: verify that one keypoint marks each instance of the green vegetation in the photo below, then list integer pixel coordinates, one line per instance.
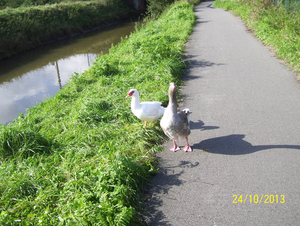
(275, 26)
(81, 157)
(25, 3)
(157, 7)
(24, 28)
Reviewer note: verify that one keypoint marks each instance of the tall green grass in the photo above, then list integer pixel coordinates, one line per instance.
(275, 26)
(81, 157)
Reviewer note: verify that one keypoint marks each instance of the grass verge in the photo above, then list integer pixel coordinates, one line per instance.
(81, 157)
(274, 26)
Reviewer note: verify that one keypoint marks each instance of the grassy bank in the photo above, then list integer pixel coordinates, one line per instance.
(25, 3)
(24, 28)
(275, 26)
(81, 157)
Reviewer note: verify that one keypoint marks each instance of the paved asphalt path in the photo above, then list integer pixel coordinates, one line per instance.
(245, 134)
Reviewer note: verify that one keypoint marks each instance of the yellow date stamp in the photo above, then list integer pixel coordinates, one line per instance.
(258, 199)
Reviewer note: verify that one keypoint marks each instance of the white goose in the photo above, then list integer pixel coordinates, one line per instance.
(145, 111)
(176, 125)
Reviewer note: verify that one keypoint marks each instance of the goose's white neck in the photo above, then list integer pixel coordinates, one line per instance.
(135, 101)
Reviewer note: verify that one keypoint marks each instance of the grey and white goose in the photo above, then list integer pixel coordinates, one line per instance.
(176, 124)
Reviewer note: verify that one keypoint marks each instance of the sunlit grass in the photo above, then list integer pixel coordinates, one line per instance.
(81, 157)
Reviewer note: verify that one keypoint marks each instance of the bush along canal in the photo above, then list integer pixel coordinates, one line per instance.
(30, 77)
(81, 157)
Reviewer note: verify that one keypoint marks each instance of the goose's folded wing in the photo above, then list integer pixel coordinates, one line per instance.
(153, 108)
(184, 119)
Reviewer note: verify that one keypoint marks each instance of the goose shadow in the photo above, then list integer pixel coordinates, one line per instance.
(235, 145)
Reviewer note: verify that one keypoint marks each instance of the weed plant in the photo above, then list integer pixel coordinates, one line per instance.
(81, 157)
(274, 25)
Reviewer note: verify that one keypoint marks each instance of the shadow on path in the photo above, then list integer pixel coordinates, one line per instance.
(164, 180)
(193, 64)
(200, 125)
(235, 145)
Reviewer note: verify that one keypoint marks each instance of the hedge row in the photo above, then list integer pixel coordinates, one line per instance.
(27, 27)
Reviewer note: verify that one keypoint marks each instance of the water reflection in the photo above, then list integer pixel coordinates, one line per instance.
(38, 74)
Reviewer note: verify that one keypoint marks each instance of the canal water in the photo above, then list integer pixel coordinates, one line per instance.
(30, 77)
